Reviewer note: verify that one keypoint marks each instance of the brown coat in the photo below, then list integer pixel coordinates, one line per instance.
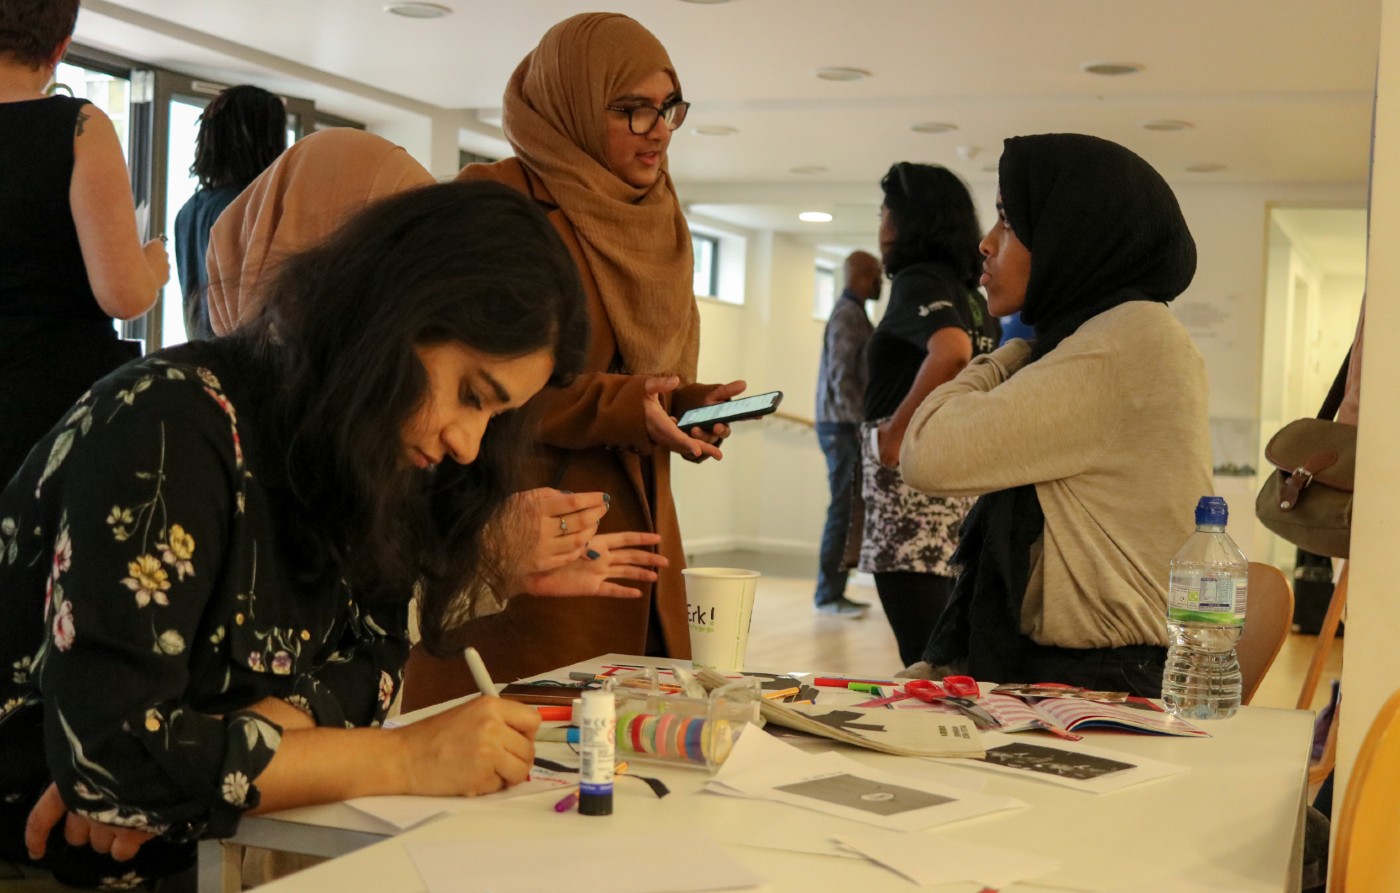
(594, 438)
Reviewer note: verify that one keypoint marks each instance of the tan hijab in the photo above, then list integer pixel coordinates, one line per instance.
(635, 241)
(301, 199)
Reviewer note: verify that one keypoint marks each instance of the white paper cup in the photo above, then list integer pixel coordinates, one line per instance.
(719, 601)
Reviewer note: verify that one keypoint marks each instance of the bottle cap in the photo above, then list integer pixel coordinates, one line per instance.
(1212, 511)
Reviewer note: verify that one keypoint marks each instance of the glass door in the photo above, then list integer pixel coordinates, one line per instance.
(179, 101)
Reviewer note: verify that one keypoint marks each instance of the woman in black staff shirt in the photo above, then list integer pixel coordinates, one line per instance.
(935, 323)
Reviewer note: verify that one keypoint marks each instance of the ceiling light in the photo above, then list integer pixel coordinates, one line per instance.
(1112, 69)
(932, 127)
(809, 169)
(842, 74)
(419, 10)
(1166, 125)
(714, 129)
(1205, 167)
(814, 217)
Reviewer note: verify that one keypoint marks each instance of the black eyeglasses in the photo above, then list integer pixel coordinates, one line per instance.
(642, 118)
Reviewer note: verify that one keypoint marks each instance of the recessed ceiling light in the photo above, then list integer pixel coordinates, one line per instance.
(932, 127)
(715, 129)
(842, 74)
(809, 169)
(1205, 167)
(419, 10)
(1166, 124)
(1112, 69)
(814, 217)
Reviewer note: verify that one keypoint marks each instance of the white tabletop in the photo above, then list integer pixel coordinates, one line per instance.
(1230, 824)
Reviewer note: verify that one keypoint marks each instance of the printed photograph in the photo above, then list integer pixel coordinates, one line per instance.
(1053, 761)
(864, 794)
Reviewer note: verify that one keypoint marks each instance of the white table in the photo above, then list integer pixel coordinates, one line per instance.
(1233, 823)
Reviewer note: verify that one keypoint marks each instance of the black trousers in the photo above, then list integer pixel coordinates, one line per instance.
(913, 603)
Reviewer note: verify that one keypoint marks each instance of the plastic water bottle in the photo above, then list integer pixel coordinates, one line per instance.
(1205, 615)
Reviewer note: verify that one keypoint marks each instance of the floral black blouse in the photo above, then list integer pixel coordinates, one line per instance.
(148, 594)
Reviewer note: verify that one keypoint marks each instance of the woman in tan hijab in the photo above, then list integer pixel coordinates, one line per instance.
(311, 189)
(589, 113)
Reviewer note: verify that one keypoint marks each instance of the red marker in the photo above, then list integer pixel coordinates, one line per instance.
(839, 682)
(555, 714)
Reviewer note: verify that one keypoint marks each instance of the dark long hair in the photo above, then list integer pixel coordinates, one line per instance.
(934, 220)
(241, 132)
(30, 30)
(475, 263)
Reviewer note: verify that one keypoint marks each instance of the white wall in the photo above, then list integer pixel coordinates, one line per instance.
(1372, 670)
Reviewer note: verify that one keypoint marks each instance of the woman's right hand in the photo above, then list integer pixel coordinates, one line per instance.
(562, 524)
(662, 429)
(482, 746)
(157, 260)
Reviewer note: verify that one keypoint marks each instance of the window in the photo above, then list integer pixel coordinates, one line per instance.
(706, 249)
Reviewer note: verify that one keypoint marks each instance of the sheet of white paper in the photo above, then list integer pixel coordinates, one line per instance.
(1073, 764)
(579, 864)
(927, 859)
(406, 811)
(765, 768)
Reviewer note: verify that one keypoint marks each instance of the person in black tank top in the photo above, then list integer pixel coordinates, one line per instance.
(72, 261)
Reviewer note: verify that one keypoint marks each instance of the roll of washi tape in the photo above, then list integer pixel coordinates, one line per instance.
(624, 733)
(664, 724)
(649, 733)
(720, 741)
(678, 736)
(634, 732)
(694, 734)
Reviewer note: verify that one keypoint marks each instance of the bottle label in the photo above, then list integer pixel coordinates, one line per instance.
(1208, 599)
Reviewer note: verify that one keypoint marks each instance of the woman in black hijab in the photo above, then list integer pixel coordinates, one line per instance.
(1093, 444)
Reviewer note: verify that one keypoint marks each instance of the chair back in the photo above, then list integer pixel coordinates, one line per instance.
(1366, 857)
(1267, 621)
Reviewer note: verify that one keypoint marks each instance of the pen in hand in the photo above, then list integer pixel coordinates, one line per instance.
(479, 674)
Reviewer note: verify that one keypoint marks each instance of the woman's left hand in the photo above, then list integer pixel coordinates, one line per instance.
(618, 556)
(890, 441)
(121, 843)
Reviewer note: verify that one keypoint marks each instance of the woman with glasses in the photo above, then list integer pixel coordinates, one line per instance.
(935, 323)
(590, 112)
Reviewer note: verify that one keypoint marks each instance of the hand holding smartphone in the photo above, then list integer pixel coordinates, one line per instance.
(707, 417)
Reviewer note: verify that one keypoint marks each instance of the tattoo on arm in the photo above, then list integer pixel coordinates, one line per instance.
(82, 119)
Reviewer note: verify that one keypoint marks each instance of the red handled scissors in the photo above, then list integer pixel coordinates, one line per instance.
(958, 691)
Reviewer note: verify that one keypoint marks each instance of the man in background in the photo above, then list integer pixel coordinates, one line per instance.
(840, 395)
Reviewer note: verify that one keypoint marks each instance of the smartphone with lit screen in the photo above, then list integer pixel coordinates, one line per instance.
(739, 410)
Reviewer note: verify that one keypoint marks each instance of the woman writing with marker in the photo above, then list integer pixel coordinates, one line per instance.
(205, 569)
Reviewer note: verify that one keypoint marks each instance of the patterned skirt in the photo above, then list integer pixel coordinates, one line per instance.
(905, 530)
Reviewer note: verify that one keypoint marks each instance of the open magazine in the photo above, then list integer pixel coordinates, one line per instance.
(1070, 715)
(888, 731)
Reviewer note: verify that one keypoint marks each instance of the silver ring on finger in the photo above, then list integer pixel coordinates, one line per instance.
(563, 527)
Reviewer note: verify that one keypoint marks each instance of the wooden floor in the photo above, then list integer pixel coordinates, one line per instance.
(788, 635)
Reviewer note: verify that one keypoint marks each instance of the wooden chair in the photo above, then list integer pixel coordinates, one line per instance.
(1267, 621)
(1326, 636)
(1365, 857)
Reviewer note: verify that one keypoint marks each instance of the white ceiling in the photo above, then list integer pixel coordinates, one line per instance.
(1275, 90)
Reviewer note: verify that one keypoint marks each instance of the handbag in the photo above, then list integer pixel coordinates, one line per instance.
(1306, 498)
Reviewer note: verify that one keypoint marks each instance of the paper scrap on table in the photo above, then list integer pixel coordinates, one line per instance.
(763, 767)
(600, 863)
(405, 811)
(1069, 763)
(927, 859)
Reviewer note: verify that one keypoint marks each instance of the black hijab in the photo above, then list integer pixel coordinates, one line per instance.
(1103, 229)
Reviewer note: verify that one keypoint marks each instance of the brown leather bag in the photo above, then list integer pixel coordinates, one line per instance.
(1307, 498)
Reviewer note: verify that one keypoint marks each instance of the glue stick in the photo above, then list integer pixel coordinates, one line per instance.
(597, 724)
